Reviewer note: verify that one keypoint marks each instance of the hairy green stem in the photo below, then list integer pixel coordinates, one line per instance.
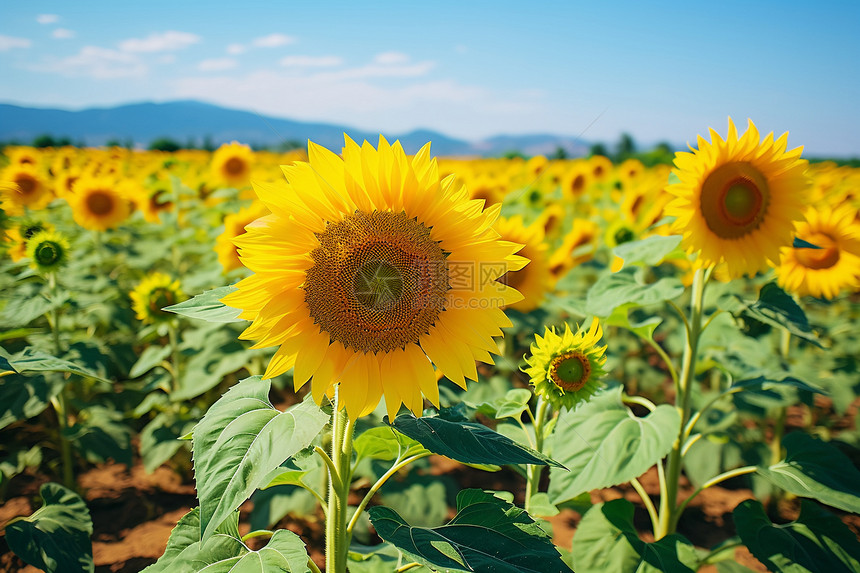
(60, 402)
(173, 336)
(533, 471)
(337, 537)
(646, 499)
(712, 482)
(669, 508)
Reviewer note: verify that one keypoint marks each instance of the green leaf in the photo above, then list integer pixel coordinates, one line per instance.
(605, 540)
(420, 500)
(382, 558)
(628, 286)
(17, 461)
(23, 397)
(28, 306)
(159, 439)
(224, 552)
(240, 440)
(817, 470)
(100, 435)
(487, 535)
(768, 383)
(649, 251)
(208, 306)
(621, 317)
(467, 442)
(818, 542)
(32, 360)
(603, 444)
(541, 506)
(217, 354)
(777, 308)
(511, 405)
(149, 359)
(56, 538)
(383, 443)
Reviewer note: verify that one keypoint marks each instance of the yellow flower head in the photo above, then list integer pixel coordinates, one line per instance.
(565, 368)
(834, 265)
(22, 186)
(154, 293)
(369, 268)
(97, 205)
(737, 200)
(234, 225)
(47, 251)
(231, 163)
(533, 280)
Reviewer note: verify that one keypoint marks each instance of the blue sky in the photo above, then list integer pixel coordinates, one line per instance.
(660, 71)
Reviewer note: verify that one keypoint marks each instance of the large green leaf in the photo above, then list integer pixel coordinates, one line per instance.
(100, 435)
(56, 538)
(606, 540)
(649, 251)
(35, 361)
(159, 439)
(208, 306)
(224, 552)
(628, 286)
(817, 470)
(818, 542)
(214, 353)
(149, 359)
(383, 443)
(240, 440)
(467, 442)
(23, 397)
(511, 405)
(777, 308)
(603, 444)
(488, 535)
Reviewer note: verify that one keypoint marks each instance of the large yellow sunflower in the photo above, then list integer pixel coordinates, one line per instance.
(369, 268)
(22, 187)
(534, 280)
(834, 265)
(737, 200)
(97, 205)
(231, 164)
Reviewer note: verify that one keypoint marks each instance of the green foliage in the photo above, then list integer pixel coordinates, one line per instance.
(487, 535)
(817, 470)
(605, 540)
(818, 542)
(56, 537)
(240, 440)
(467, 442)
(208, 306)
(603, 444)
(628, 286)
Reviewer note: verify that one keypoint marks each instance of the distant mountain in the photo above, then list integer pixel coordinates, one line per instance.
(195, 121)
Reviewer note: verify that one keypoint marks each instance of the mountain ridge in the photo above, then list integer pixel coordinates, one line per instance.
(192, 120)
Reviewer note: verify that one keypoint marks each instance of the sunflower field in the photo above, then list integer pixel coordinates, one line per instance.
(362, 360)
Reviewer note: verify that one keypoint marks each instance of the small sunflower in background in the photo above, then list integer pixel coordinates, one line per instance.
(23, 187)
(234, 225)
(565, 368)
(834, 265)
(370, 269)
(601, 168)
(737, 200)
(231, 163)
(578, 178)
(17, 237)
(152, 294)
(97, 205)
(47, 251)
(534, 279)
(577, 247)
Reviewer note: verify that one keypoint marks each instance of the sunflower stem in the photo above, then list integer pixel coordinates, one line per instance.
(669, 507)
(173, 336)
(533, 472)
(337, 537)
(60, 402)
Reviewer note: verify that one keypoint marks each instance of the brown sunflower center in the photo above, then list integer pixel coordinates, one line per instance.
(822, 258)
(26, 184)
(160, 298)
(378, 281)
(578, 183)
(570, 371)
(234, 166)
(100, 203)
(734, 199)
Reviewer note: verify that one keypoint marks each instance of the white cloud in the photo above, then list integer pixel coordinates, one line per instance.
(47, 18)
(96, 62)
(274, 41)
(311, 61)
(160, 42)
(9, 43)
(236, 49)
(391, 58)
(217, 64)
(415, 70)
(63, 34)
